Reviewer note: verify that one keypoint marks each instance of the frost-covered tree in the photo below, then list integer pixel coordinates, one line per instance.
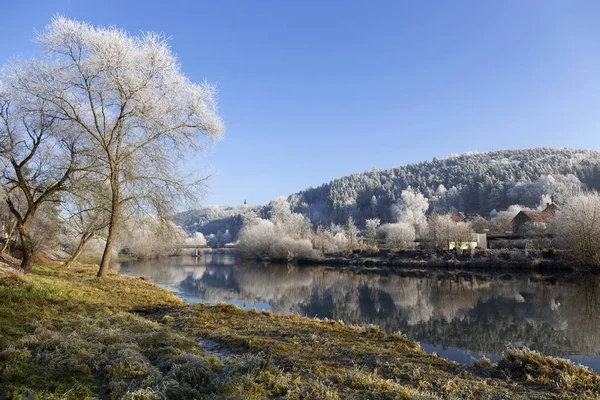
(558, 187)
(352, 234)
(480, 225)
(474, 183)
(439, 230)
(129, 98)
(371, 226)
(461, 234)
(578, 227)
(41, 156)
(151, 237)
(411, 209)
(501, 222)
(398, 236)
(279, 211)
(285, 235)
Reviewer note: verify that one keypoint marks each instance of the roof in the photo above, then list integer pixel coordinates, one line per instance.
(551, 208)
(456, 217)
(535, 216)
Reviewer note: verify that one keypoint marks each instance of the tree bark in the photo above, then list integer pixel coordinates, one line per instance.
(26, 245)
(112, 227)
(82, 242)
(8, 238)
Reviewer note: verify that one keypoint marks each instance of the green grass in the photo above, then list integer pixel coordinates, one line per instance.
(66, 335)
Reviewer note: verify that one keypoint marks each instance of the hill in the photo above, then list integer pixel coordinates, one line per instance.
(472, 183)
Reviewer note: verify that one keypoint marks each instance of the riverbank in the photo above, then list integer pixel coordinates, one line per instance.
(65, 334)
(514, 260)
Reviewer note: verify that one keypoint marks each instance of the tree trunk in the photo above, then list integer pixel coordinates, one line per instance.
(8, 238)
(82, 242)
(112, 228)
(26, 245)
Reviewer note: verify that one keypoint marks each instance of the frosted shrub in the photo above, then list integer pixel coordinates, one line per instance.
(325, 242)
(151, 237)
(398, 236)
(262, 238)
(255, 240)
(289, 248)
(197, 240)
(341, 241)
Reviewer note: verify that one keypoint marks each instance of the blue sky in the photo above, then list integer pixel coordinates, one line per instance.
(313, 90)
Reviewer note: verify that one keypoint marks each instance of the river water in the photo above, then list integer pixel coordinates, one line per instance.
(461, 315)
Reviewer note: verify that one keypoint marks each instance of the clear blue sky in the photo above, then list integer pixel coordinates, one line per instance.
(312, 90)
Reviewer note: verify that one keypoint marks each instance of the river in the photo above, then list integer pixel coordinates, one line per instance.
(461, 315)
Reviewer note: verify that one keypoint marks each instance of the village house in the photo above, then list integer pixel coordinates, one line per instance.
(527, 218)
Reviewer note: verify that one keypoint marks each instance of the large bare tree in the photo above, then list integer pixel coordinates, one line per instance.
(40, 157)
(130, 98)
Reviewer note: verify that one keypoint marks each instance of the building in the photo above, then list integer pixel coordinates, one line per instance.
(527, 218)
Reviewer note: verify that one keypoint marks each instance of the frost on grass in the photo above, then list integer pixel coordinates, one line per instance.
(531, 367)
(131, 358)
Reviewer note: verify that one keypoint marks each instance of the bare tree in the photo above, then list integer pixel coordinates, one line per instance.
(40, 156)
(577, 226)
(398, 236)
(352, 234)
(130, 98)
(439, 230)
(461, 234)
(86, 211)
(371, 226)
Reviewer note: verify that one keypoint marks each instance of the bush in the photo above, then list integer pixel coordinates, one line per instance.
(289, 248)
(397, 236)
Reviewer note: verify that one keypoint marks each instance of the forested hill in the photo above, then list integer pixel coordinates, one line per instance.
(474, 183)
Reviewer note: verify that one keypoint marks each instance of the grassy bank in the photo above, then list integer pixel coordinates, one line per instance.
(66, 335)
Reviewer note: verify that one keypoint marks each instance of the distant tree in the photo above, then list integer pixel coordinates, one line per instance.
(501, 222)
(411, 209)
(352, 234)
(149, 237)
(128, 97)
(279, 211)
(398, 236)
(536, 235)
(461, 234)
(480, 225)
(439, 230)
(371, 227)
(578, 227)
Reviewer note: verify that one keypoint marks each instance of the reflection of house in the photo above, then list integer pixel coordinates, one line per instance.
(526, 218)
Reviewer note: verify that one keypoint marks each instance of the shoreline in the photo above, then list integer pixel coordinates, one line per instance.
(66, 334)
(491, 260)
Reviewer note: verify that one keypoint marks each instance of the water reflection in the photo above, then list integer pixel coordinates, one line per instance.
(459, 315)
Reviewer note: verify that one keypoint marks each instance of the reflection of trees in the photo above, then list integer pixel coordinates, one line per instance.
(581, 312)
(466, 311)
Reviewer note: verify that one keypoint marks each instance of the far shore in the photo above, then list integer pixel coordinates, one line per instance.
(498, 259)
